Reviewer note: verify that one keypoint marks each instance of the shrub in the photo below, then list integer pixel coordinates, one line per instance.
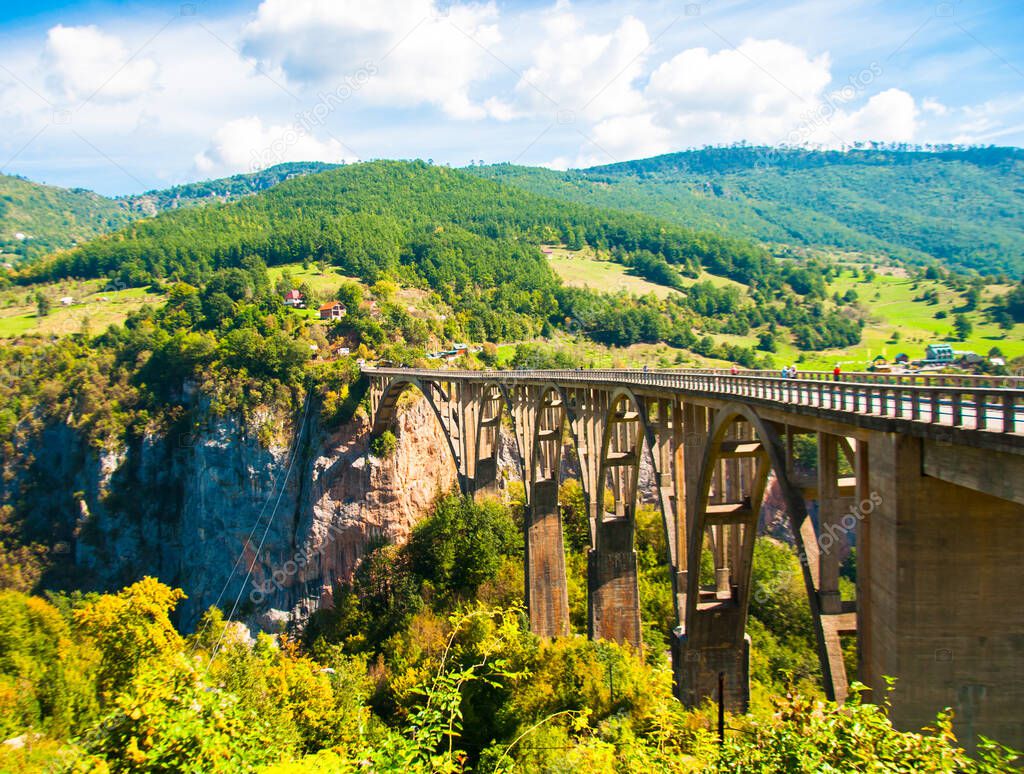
(384, 445)
(463, 544)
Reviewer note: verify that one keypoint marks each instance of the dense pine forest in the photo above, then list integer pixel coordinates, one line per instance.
(958, 206)
(475, 244)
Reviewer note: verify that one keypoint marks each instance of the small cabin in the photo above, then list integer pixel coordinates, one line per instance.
(968, 357)
(294, 299)
(332, 310)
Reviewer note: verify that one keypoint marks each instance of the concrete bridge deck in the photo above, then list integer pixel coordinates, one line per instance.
(975, 410)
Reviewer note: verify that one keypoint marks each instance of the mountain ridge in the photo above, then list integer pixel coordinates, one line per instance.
(958, 207)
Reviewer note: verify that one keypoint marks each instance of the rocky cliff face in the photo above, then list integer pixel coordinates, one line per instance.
(263, 531)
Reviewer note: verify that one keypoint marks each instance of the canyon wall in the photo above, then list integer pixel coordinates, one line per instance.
(263, 531)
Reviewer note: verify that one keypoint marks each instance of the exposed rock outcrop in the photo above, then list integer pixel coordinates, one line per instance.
(263, 531)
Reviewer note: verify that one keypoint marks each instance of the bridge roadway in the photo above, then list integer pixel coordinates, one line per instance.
(924, 474)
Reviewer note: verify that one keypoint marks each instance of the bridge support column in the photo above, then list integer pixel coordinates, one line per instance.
(485, 470)
(697, 667)
(943, 612)
(485, 481)
(614, 593)
(546, 589)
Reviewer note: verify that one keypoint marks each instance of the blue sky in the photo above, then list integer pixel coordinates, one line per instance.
(125, 96)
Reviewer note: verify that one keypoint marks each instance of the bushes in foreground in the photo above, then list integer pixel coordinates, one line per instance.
(413, 671)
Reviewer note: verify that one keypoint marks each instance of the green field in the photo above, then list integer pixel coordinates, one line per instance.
(587, 269)
(888, 303)
(325, 285)
(583, 269)
(94, 309)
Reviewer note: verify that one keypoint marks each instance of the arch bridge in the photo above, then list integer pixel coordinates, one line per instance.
(925, 474)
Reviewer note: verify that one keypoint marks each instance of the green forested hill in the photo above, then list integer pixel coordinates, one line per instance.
(52, 218)
(369, 217)
(37, 219)
(222, 189)
(474, 243)
(964, 208)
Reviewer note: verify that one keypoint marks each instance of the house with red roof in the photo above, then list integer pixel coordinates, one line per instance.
(332, 310)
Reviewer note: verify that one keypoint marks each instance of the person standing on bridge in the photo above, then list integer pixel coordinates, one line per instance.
(835, 372)
(734, 370)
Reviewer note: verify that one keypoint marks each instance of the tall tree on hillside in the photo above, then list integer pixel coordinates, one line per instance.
(962, 326)
(42, 304)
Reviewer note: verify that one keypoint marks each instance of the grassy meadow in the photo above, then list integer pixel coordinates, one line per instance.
(95, 307)
(897, 318)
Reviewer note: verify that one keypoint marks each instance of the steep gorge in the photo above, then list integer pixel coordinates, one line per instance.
(220, 515)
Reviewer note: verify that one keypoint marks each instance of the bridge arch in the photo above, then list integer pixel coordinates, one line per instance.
(614, 595)
(546, 584)
(494, 401)
(386, 412)
(741, 452)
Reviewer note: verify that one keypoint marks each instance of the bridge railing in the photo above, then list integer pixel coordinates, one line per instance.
(924, 379)
(976, 406)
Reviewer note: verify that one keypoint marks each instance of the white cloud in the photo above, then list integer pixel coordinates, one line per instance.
(931, 105)
(245, 145)
(85, 62)
(757, 92)
(422, 54)
(592, 75)
(762, 91)
(501, 110)
(889, 116)
(626, 137)
(990, 120)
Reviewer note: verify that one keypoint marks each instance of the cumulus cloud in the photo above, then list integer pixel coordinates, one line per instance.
(84, 62)
(422, 53)
(763, 91)
(245, 145)
(757, 92)
(889, 116)
(590, 74)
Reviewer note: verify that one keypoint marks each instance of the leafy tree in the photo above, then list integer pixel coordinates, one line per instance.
(462, 544)
(962, 326)
(131, 629)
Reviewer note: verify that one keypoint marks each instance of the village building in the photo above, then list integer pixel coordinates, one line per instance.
(967, 357)
(332, 310)
(294, 299)
(939, 353)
